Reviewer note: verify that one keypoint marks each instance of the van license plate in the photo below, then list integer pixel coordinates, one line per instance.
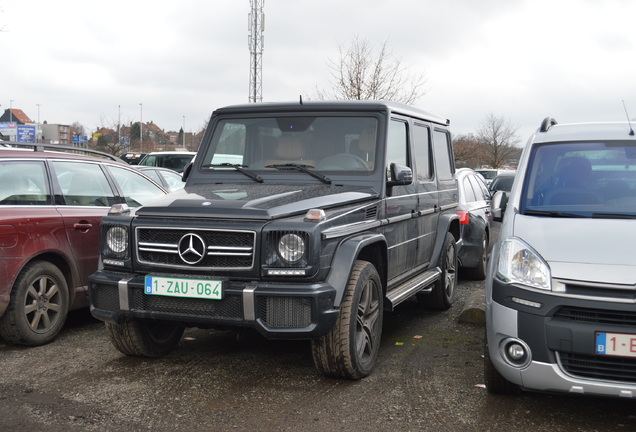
(616, 344)
(190, 288)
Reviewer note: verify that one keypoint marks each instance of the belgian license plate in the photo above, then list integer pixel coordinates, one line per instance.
(179, 287)
(616, 344)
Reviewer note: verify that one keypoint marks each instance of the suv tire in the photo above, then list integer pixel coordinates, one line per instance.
(145, 338)
(443, 293)
(38, 306)
(350, 349)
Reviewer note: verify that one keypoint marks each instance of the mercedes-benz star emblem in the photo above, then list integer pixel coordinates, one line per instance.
(191, 249)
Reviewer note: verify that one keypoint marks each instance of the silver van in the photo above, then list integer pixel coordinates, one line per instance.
(561, 282)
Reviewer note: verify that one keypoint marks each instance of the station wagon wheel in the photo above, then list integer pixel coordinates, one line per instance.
(443, 293)
(38, 305)
(145, 337)
(350, 349)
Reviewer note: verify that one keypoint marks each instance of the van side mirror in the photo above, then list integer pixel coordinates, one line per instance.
(499, 204)
(400, 175)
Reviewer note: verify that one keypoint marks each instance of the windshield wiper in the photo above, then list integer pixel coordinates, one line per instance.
(301, 168)
(237, 167)
(553, 213)
(614, 216)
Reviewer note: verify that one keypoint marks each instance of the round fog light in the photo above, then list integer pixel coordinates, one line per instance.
(515, 352)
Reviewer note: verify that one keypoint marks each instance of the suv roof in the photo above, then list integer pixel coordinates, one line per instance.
(345, 105)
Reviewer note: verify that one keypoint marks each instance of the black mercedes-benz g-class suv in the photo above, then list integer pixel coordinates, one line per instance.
(300, 220)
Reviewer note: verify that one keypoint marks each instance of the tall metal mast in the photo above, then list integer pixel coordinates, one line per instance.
(256, 42)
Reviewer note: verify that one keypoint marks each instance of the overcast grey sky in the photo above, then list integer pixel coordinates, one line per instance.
(88, 61)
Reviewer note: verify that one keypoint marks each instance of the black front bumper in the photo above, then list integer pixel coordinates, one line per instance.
(276, 310)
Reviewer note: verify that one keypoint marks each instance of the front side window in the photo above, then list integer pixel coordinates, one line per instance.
(582, 179)
(83, 184)
(322, 143)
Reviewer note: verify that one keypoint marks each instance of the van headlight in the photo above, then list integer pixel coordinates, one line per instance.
(520, 264)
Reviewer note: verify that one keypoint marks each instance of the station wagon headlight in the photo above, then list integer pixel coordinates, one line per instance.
(519, 263)
(291, 248)
(117, 241)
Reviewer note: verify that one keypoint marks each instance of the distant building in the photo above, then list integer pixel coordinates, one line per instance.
(15, 125)
(56, 134)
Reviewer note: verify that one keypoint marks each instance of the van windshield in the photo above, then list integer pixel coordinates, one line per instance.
(582, 179)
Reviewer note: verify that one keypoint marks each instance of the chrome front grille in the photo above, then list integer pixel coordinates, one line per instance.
(195, 248)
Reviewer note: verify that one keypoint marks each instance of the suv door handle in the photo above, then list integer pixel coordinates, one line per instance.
(82, 226)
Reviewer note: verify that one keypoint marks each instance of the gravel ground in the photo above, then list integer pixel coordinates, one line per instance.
(428, 378)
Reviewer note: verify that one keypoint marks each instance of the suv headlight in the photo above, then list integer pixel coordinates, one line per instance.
(291, 248)
(519, 263)
(116, 241)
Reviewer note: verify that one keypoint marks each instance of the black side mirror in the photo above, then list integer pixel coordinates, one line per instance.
(400, 175)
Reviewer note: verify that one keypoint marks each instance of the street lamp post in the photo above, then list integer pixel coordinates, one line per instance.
(183, 137)
(37, 132)
(141, 127)
(11, 111)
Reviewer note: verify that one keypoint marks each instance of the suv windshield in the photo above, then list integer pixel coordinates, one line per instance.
(316, 143)
(589, 179)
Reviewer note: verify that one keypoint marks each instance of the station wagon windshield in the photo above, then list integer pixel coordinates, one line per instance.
(344, 144)
(585, 179)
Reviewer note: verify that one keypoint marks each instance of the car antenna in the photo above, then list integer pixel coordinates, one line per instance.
(301, 99)
(631, 131)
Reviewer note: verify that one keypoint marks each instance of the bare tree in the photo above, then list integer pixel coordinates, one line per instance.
(363, 72)
(469, 151)
(500, 139)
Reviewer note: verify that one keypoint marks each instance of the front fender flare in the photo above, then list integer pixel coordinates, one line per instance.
(344, 259)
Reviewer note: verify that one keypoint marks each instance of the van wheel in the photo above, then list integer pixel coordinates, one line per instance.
(350, 349)
(145, 338)
(495, 382)
(38, 305)
(443, 293)
(479, 271)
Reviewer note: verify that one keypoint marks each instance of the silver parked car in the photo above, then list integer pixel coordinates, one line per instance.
(561, 283)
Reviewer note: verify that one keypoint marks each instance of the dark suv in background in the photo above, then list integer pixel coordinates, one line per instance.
(300, 220)
(51, 206)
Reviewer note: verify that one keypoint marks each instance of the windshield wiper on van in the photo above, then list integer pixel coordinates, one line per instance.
(614, 215)
(237, 167)
(553, 213)
(301, 168)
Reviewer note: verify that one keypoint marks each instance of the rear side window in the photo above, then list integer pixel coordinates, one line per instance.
(442, 152)
(23, 183)
(421, 148)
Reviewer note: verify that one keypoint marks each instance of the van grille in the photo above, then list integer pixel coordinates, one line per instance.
(605, 368)
(223, 249)
(599, 316)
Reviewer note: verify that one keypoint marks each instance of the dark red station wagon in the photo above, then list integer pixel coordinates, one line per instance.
(51, 205)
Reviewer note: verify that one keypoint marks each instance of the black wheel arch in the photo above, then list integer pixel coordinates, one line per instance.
(369, 247)
(447, 222)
